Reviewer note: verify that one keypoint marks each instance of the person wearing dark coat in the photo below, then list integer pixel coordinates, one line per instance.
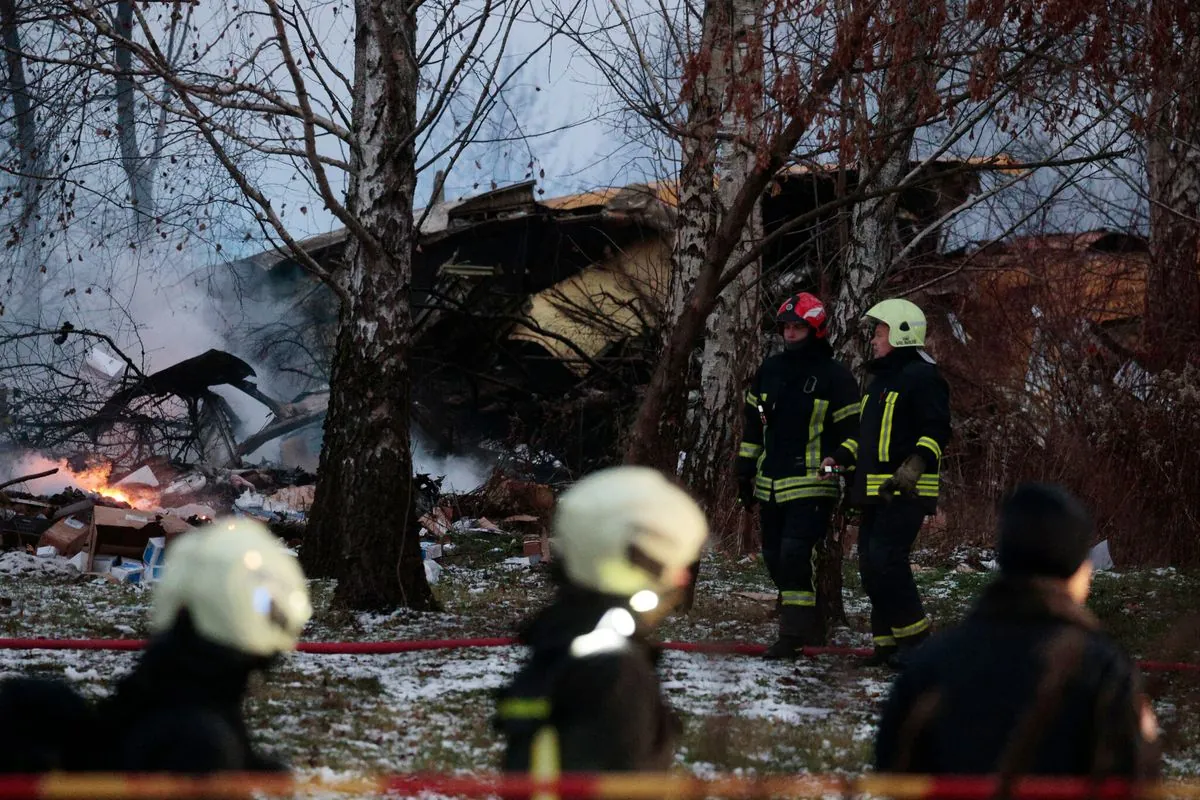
(1028, 683)
(180, 710)
(588, 699)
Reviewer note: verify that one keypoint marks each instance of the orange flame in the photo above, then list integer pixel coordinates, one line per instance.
(95, 480)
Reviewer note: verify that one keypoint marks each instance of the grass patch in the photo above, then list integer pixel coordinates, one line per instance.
(728, 743)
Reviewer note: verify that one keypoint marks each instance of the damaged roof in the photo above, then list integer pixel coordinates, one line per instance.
(652, 203)
(1101, 274)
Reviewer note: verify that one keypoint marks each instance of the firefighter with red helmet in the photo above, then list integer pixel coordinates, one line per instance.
(801, 404)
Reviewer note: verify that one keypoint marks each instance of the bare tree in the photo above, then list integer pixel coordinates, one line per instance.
(28, 163)
(362, 528)
(730, 348)
(1172, 310)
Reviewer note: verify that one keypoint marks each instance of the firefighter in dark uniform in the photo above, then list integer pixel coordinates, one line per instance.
(802, 403)
(1027, 684)
(231, 601)
(896, 455)
(588, 698)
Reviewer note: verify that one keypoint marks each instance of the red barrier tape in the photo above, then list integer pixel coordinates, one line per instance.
(398, 646)
(588, 786)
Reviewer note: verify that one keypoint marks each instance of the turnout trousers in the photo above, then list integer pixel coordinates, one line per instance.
(885, 541)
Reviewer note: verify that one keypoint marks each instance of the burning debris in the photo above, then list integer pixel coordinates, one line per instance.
(95, 517)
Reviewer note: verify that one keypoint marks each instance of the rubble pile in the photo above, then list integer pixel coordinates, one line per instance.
(502, 506)
(118, 523)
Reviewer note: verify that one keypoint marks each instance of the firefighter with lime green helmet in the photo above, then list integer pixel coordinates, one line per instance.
(904, 427)
(231, 601)
(588, 697)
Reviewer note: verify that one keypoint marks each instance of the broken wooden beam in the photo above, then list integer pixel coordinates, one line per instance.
(45, 474)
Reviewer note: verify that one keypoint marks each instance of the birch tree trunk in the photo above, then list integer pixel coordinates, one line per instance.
(654, 435)
(27, 275)
(363, 528)
(695, 223)
(1172, 303)
(703, 415)
(730, 352)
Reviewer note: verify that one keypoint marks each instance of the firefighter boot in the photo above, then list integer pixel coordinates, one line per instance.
(905, 648)
(883, 655)
(799, 627)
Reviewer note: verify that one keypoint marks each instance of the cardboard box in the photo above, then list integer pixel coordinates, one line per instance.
(156, 546)
(128, 572)
(68, 536)
(536, 548)
(101, 565)
(100, 530)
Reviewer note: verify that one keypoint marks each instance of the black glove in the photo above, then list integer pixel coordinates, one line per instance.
(904, 480)
(745, 488)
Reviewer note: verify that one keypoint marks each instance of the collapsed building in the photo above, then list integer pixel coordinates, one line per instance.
(535, 320)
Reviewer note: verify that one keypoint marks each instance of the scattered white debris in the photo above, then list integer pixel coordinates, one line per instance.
(1101, 557)
(293, 500)
(186, 485)
(143, 476)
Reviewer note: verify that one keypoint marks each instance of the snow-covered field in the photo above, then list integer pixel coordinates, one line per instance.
(354, 715)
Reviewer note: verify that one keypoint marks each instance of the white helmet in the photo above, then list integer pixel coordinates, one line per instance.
(626, 531)
(239, 584)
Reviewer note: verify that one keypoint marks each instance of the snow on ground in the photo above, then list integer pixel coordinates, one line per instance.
(342, 716)
(16, 563)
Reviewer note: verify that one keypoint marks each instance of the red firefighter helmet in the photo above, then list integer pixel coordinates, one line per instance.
(805, 308)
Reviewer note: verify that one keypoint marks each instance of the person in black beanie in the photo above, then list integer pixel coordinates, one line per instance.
(1027, 684)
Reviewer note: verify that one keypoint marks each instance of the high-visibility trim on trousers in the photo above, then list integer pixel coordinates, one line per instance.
(912, 630)
(799, 598)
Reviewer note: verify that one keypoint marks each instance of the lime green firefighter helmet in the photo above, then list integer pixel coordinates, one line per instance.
(906, 322)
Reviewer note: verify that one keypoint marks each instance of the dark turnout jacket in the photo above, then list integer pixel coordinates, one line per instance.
(598, 709)
(800, 406)
(1027, 685)
(904, 411)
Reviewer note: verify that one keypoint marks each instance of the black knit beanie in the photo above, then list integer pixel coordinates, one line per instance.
(1044, 531)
